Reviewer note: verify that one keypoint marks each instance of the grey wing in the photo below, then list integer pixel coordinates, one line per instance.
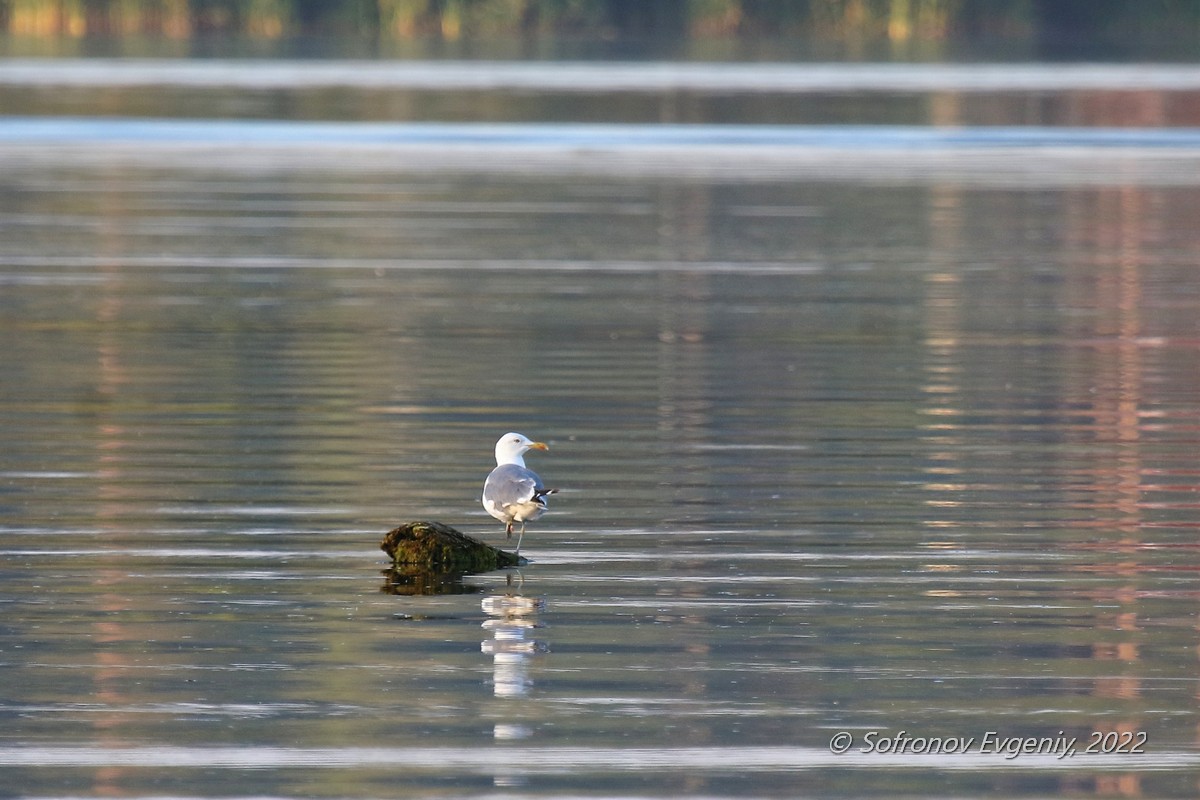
(509, 484)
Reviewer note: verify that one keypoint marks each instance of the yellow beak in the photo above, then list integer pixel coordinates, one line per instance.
(539, 446)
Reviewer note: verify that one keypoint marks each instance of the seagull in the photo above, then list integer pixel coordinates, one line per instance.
(513, 492)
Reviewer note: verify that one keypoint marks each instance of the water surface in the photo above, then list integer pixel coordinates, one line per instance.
(890, 454)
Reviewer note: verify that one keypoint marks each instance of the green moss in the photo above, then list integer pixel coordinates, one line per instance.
(439, 548)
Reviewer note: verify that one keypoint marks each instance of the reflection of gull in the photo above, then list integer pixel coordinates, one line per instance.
(511, 625)
(513, 618)
(513, 492)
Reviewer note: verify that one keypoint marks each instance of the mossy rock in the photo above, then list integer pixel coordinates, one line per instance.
(439, 548)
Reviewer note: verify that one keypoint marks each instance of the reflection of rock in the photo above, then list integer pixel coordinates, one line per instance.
(513, 619)
(437, 548)
(418, 581)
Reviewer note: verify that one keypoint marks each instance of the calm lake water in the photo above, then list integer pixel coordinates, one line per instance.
(875, 433)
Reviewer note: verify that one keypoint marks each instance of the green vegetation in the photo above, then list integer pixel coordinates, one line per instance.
(434, 547)
(895, 20)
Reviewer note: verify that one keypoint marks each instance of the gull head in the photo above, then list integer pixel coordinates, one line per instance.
(512, 447)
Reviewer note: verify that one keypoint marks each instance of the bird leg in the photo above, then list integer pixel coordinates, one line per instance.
(519, 538)
(508, 531)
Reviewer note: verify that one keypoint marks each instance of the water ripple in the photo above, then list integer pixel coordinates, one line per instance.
(550, 759)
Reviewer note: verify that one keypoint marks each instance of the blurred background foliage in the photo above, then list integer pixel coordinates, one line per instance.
(455, 20)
